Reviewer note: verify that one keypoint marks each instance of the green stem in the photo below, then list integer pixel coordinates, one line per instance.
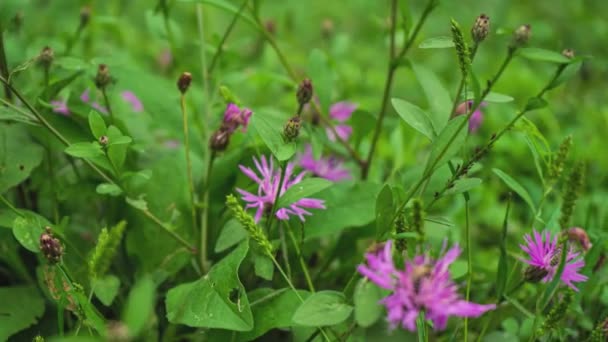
(284, 250)
(182, 103)
(220, 47)
(283, 166)
(10, 206)
(107, 103)
(4, 66)
(467, 232)
(311, 286)
(205, 215)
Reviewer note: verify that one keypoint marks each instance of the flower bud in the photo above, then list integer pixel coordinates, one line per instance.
(85, 16)
(219, 140)
(270, 26)
(327, 28)
(292, 128)
(103, 140)
(46, 57)
(568, 53)
(521, 36)
(103, 78)
(304, 93)
(535, 274)
(576, 234)
(481, 28)
(183, 83)
(50, 246)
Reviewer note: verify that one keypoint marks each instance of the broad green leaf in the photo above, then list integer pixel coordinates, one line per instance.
(263, 266)
(436, 94)
(19, 155)
(122, 140)
(462, 185)
(27, 231)
(232, 233)
(415, 117)
(305, 188)
(543, 55)
(515, 186)
(108, 189)
(272, 135)
(385, 208)
(217, 300)
(441, 42)
(535, 103)
(106, 289)
(97, 124)
(118, 145)
(492, 97)
(367, 307)
(569, 72)
(138, 203)
(323, 308)
(321, 76)
(140, 305)
(450, 140)
(84, 150)
(21, 307)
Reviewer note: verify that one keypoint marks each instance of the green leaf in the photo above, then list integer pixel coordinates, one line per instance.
(27, 231)
(19, 155)
(263, 266)
(385, 208)
(441, 42)
(492, 97)
(140, 306)
(21, 307)
(421, 327)
(367, 307)
(569, 72)
(323, 308)
(462, 185)
(122, 140)
(436, 94)
(84, 150)
(228, 7)
(535, 103)
(444, 147)
(415, 117)
(139, 203)
(543, 55)
(117, 147)
(208, 303)
(272, 135)
(97, 124)
(106, 289)
(515, 186)
(321, 76)
(305, 188)
(108, 189)
(71, 63)
(232, 233)
(459, 268)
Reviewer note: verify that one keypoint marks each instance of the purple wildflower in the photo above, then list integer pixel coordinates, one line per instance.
(60, 107)
(129, 97)
(268, 186)
(235, 117)
(85, 97)
(424, 284)
(545, 255)
(476, 118)
(330, 168)
(341, 112)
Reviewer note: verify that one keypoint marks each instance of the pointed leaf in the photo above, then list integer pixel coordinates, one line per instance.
(442, 42)
(305, 188)
(323, 308)
(415, 117)
(447, 144)
(515, 186)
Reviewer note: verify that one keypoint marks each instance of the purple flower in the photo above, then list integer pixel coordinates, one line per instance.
(424, 284)
(60, 107)
(131, 99)
(476, 118)
(545, 255)
(330, 168)
(235, 117)
(341, 112)
(268, 186)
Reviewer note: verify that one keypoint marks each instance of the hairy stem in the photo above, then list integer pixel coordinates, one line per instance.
(107, 103)
(205, 214)
(182, 103)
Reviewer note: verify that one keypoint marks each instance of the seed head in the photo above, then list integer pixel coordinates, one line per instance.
(103, 140)
(50, 246)
(327, 28)
(183, 82)
(292, 128)
(103, 77)
(46, 56)
(481, 28)
(219, 140)
(304, 93)
(568, 53)
(85, 16)
(520, 36)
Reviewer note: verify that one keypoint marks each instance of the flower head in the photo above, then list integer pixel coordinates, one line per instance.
(545, 254)
(268, 181)
(341, 112)
(235, 117)
(60, 107)
(424, 284)
(330, 168)
(476, 118)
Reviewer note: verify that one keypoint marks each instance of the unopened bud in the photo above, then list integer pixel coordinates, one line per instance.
(521, 36)
(576, 234)
(481, 28)
(104, 140)
(219, 140)
(534, 274)
(568, 53)
(327, 28)
(50, 246)
(85, 16)
(292, 128)
(46, 56)
(103, 78)
(183, 82)
(270, 26)
(304, 93)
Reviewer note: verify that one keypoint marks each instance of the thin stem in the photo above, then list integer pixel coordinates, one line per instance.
(284, 250)
(205, 214)
(168, 230)
(467, 232)
(283, 166)
(393, 64)
(10, 206)
(311, 287)
(107, 103)
(182, 103)
(4, 66)
(220, 47)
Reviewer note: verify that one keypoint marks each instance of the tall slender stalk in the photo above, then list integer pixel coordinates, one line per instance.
(467, 233)
(4, 66)
(182, 102)
(205, 214)
(294, 241)
(106, 100)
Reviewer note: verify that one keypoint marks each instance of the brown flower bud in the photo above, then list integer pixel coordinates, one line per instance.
(576, 234)
(183, 82)
(103, 78)
(85, 16)
(521, 36)
(103, 140)
(327, 28)
(219, 140)
(304, 93)
(292, 128)
(568, 53)
(481, 28)
(535, 274)
(46, 56)
(50, 246)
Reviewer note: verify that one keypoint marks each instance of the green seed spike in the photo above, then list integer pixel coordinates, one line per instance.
(573, 187)
(107, 244)
(462, 50)
(249, 224)
(557, 164)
